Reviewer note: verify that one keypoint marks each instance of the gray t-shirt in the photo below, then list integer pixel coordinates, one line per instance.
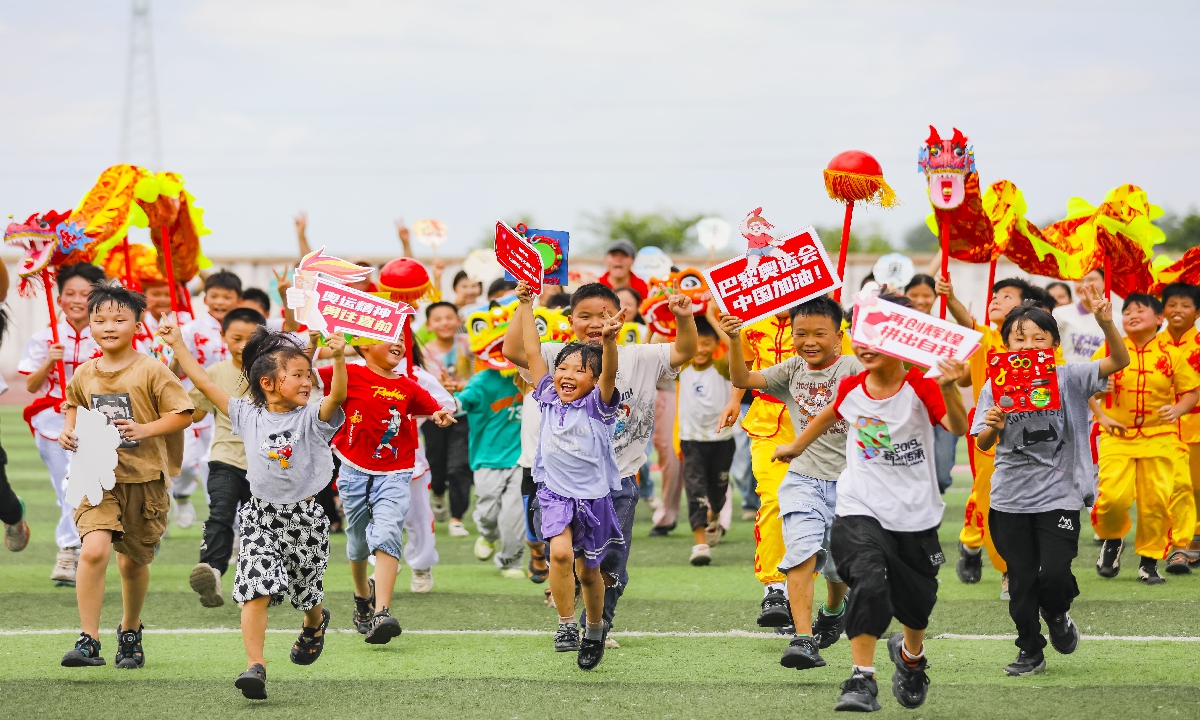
(807, 392)
(1043, 458)
(287, 454)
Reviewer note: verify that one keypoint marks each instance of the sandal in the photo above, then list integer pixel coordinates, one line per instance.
(549, 598)
(309, 645)
(536, 575)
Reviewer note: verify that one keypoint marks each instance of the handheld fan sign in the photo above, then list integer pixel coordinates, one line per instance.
(519, 257)
(909, 334)
(429, 232)
(323, 301)
(1024, 380)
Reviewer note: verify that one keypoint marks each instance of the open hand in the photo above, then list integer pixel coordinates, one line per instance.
(952, 371)
(729, 415)
(1112, 427)
(1170, 413)
(443, 418)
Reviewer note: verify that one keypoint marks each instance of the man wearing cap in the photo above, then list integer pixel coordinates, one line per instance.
(618, 264)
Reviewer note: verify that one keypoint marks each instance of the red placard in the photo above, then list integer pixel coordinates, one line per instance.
(516, 255)
(347, 311)
(1024, 380)
(791, 270)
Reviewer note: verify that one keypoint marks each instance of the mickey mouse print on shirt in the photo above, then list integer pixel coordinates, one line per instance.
(279, 447)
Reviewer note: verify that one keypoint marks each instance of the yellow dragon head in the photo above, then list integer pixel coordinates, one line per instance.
(485, 329)
(553, 325)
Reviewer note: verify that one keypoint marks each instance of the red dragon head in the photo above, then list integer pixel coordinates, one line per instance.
(46, 240)
(654, 308)
(946, 164)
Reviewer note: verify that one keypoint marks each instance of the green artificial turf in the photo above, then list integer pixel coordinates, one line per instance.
(433, 672)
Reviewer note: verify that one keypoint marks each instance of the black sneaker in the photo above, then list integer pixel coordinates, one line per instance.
(1064, 634)
(129, 649)
(909, 684)
(86, 653)
(970, 567)
(1109, 563)
(858, 694)
(1148, 573)
(382, 628)
(775, 610)
(364, 608)
(1178, 563)
(591, 652)
(802, 654)
(253, 683)
(661, 530)
(827, 628)
(1026, 664)
(567, 638)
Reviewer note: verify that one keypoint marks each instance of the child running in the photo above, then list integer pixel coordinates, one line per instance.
(285, 533)
(575, 470)
(808, 493)
(1043, 469)
(150, 408)
(377, 449)
(1181, 306)
(884, 538)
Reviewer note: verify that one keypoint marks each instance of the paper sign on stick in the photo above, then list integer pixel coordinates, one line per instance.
(909, 334)
(518, 257)
(781, 275)
(334, 308)
(1024, 380)
(552, 246)
(95, 460)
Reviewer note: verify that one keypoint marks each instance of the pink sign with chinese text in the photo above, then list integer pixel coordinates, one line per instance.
(347, 311)
(909, 334)
(770, 279)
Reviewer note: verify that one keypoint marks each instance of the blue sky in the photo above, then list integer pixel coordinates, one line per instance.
(361, 111)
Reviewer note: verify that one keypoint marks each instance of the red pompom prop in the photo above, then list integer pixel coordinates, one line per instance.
(855, 176)
(407, 280)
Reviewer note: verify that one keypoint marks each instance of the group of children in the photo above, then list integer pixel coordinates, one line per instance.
(841, 438)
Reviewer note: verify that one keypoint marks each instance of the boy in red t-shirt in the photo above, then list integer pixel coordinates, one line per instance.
(377, 448)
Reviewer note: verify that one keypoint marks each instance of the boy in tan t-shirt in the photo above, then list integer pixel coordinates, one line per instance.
(150, 409)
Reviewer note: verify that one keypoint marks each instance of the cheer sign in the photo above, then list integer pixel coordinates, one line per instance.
(1024, 380)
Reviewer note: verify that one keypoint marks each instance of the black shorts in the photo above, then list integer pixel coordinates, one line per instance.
(891, 574)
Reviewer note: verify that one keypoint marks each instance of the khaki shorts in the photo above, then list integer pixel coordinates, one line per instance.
(135, 513)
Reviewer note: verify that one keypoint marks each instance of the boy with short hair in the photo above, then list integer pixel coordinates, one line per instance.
(1140, 448)
(39, 362)
(639, 369)
(707, 449)
(975, 535)
(884, 538)
(808, 383)
(132, 516)
(1180, 304)
(222, 293)
(227, 484)
(1081, 334)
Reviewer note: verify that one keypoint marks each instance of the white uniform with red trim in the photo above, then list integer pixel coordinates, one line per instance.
(46, 423)
(420, 551)
(203, 339)
(145, 337)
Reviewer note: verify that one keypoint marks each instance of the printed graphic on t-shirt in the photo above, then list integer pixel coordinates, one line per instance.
(635, 421)
(875, 442)
(115, 406)
(392, 422)
(812, 398)
(279, 448)
(1086, 346)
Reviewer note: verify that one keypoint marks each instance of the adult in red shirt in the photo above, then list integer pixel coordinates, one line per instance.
(618, 267)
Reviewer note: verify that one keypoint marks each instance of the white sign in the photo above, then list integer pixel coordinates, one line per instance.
(909, 334)
(95, 460)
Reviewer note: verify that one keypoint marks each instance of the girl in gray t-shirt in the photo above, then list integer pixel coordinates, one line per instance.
(285, 534)
(1043, 464)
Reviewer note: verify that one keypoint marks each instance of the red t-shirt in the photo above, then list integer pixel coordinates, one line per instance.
(635, 282)
(377, 436)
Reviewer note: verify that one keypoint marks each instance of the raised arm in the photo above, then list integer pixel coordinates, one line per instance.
(739, 373)
(290, 324)
(684, 347)
(957, 310)
(531, 342)
(608, 375)
(169, 332)
(1118, 354)
(302, 232)
(335, 395)
(514, 347)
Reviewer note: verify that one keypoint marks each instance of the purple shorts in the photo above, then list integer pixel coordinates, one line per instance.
(593, 523)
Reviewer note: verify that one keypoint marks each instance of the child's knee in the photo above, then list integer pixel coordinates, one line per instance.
(562, 554)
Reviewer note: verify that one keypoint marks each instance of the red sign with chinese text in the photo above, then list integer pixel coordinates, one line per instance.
(785, 273)
(516, 255)
(1024, 380)
(347, 311)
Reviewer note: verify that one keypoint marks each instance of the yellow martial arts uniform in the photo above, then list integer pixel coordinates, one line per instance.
(1185, 496)
(975, 533)
(765, 343)
(1143, 463)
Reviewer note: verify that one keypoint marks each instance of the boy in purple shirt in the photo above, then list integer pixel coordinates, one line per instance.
(575, 470)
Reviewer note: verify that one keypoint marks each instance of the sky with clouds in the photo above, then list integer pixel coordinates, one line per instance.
(360, 111)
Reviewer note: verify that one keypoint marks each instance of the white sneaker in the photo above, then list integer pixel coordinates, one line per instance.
(713, 533)
(654, 502)
(206, 581)
(457, 529)
(65, 565)
(185, 512)
(750, 515)
(512, 573)
(700, 555)
(441, 511)
(483, 548)
(610, 644)
(422, 581)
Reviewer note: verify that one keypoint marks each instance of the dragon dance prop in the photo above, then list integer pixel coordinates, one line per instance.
(1118, 235)
(485, 331)
(655, 310)
(854, 176)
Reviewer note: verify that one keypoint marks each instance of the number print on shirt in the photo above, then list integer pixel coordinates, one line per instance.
(875, 442)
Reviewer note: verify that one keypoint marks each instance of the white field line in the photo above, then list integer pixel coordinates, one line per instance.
(630, 633)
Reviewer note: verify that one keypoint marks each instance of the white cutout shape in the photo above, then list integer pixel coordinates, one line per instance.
(95, 460)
